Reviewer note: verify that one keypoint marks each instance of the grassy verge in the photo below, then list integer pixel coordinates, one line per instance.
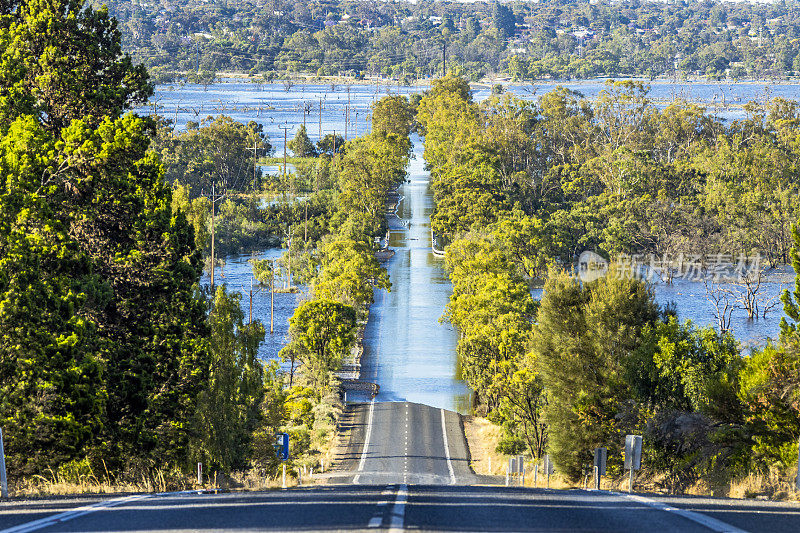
(482, 438)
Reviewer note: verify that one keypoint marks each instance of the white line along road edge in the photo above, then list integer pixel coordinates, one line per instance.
(74, 513)
(366, 442)
(447, 451)
(711, 523)
(66, 516)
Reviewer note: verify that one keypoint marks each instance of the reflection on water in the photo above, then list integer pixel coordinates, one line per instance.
(407, 351)
(236, 276)
(693, 304)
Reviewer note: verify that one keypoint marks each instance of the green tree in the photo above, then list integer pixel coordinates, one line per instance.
(331, 144)
(68, 64)
(229, 408)
(322, 331)
(103, 327)
(791, 301)
(581, 341)
(349, 273)
(218, 151)
(301, 145)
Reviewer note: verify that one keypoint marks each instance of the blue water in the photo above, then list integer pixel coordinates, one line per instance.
(407, 350)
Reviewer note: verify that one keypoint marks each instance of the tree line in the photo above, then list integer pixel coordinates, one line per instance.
(523, 187)
(115, 362)
(190, 40)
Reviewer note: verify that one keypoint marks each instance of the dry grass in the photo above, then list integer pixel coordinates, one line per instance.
(482, 438)
(773, 486)
(56, 485)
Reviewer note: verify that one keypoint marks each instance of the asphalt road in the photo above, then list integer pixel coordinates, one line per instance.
(398, 507)
(403, 442)
(402, 466)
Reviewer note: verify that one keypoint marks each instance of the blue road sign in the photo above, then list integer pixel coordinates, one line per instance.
(282, 446)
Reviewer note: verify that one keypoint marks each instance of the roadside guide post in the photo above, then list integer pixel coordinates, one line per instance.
(535, 471)
(600, 455)
(549, 468)
(199, 473)
(633, 456)
(283, 477)
(797, 479)
(3, 480)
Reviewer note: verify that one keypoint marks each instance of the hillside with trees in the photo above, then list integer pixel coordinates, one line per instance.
(192, 40)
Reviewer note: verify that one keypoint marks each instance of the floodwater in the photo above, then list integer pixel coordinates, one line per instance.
(408, 352)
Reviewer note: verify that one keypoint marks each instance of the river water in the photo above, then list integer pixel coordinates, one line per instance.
(408, 352)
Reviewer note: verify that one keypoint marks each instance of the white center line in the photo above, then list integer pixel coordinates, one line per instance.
(447, 451)
(366, 442)
(399, 510)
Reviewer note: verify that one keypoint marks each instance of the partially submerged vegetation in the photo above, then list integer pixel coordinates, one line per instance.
(523, 187)
(118, 370)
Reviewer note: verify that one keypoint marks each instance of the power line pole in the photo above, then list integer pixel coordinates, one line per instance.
(214, 199)
(444, 58)
(347, 115)
(254, 149)
(272, 296)
(251, 293)
(320, 118)
(285, 141)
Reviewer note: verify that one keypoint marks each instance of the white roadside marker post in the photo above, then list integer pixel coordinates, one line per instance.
(199, 473)
(283, 477)
(3, 480)
(797, 479)
(633, 456)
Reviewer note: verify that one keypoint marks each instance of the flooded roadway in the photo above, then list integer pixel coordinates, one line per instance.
(407, 351)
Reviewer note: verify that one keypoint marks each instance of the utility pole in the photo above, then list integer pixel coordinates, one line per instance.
(347, 117)
(444, 58)
(289, 257)
(285, 141)
(251, 293)
(272, 297)
(254, 149)
(305, 222)
(214, 199)
(320, 118)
